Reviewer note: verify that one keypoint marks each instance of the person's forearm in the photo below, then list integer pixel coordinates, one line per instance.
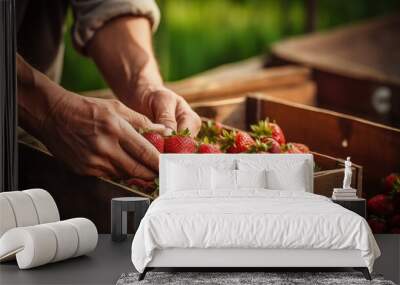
(37, 95)
(122, 49)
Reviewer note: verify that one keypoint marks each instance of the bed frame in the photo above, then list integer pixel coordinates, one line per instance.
(242, 259)
(246, 259)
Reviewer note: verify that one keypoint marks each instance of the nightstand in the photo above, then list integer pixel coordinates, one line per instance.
(119, 208)
(357, 205)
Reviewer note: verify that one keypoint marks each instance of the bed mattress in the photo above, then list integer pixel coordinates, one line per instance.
(250, 219)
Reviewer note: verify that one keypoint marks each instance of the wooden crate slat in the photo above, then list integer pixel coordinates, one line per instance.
(374, 146)
(215, 87)
(234, 80)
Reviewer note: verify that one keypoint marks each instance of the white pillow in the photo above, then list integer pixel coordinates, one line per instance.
(224, 179)
(185, 177)
(282, 174)
(293, 180)
(251, 178)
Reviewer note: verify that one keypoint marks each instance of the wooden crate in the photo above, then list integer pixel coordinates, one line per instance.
(354, 67)
(75, 195)
(237, 113)
(235, 79)
(372, 145)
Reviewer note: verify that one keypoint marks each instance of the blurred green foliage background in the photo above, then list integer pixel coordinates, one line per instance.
(195, 35)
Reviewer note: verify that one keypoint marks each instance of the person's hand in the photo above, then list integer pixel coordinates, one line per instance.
(165, 107)
(123, 52)
(98, 137)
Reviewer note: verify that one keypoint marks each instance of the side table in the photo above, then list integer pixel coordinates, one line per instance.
(119, 208)
(357, 205)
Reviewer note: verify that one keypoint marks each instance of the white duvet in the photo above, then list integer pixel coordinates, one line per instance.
(254, 218)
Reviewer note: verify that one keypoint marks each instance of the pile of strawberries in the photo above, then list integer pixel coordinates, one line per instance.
(384, 208)
(265, 137)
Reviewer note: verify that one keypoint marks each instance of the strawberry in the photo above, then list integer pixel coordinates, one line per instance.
(380, 205)
(392, 182)
(261, 130)
(258, 147)
(296, 148)
(155, 139)
(265, 145)
(377, 225)
(277, 133)
(301, 147)
(206, 147)
(210, 130)
(273, 145)
(266, 129)
(236, 141)
(180, 142)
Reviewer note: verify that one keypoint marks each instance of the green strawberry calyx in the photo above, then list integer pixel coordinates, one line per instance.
(181, 133)
(228, 139)
(258, 147)
(261, 129)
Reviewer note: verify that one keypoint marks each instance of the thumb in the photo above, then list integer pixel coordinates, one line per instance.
(164, 112)
(139, 121)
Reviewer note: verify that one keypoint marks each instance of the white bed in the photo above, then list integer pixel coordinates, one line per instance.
(280, 225)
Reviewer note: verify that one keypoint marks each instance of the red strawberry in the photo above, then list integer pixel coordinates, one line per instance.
(236, 141)
(180, 142)
(301, 147)
(273, 145)
(210, 130)
(392, 182)
(380, 205)
(265, 129)
(296, 148)
(290, 148)
(277, 133)
(394, 221)
(208, 148)
(155, 139)
(377, 225)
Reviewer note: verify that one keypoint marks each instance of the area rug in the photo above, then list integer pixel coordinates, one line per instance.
(243, 278)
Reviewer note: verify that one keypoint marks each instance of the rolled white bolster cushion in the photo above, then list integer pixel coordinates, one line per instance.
(41, 244)
(33, 246)
(23, 208)
(66, 238)
(45, 205)
(7, 218)
(87, 235)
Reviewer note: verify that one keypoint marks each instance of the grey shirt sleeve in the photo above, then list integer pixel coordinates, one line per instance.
(91, 15)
